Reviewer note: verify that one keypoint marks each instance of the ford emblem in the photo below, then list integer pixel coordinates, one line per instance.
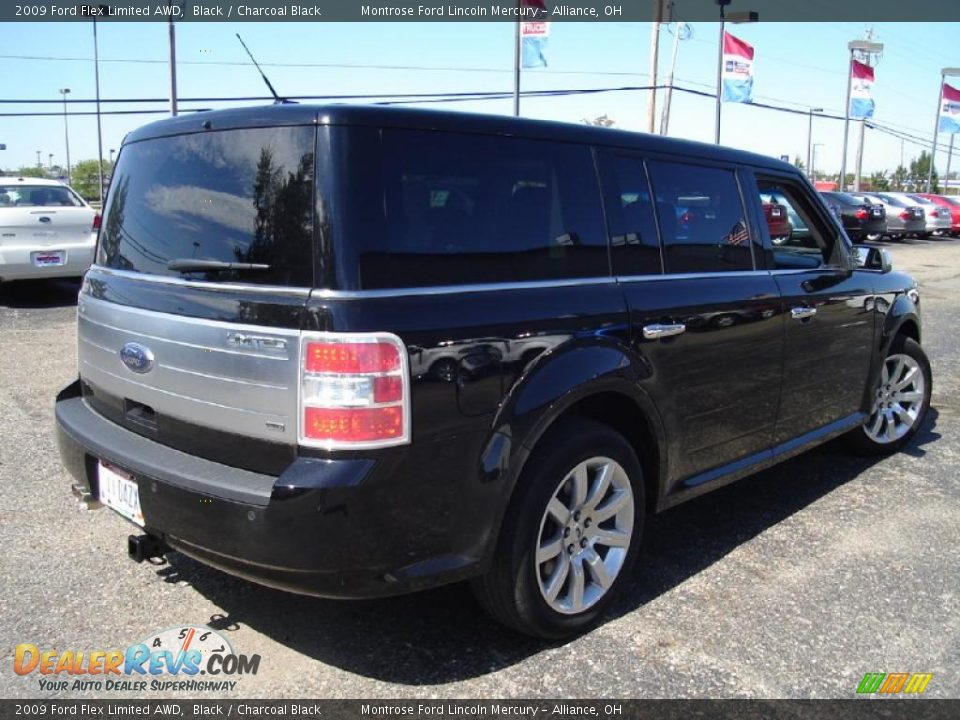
(137, 357)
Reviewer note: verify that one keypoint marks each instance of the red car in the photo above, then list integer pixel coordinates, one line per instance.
(952, 203)
(777, 221)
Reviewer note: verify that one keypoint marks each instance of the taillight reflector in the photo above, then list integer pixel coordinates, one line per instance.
(353, 424)
(354, 391)
(906, 215)
(351, 357)
(96, 221)
(862, 214)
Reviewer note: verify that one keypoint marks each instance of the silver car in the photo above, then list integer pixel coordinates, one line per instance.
(939, 220)
(46, 230)
(903, 220)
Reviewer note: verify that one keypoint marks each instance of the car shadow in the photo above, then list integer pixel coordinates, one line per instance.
(442, 636)
(53, 293)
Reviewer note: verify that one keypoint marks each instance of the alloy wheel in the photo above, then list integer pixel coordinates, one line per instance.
(897, 400)
(585, 535)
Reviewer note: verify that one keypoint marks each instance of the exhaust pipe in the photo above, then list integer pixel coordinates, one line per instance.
(145, 547)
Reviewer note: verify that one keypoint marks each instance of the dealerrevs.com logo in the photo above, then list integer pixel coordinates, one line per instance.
(190, 657)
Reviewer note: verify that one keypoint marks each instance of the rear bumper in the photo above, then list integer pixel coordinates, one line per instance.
(16, 262)
(333, 528)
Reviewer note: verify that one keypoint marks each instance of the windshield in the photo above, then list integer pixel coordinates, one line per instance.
(234, 196)
(38, 196)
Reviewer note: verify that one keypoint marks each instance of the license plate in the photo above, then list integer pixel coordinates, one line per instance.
(877, 211)
(49, 258)
(120, 492)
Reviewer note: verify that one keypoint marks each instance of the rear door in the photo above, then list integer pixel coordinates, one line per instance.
(829, 317)
(702, 314)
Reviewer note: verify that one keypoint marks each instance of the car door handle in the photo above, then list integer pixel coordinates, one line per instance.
(656, 331)
(802, 313)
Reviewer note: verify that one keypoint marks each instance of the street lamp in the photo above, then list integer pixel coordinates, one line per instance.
(944, 74)
(112, 151)
(39, 163)
(50, 163)
(66, 131)
(96, 80)
(737, 17)
(810, 138)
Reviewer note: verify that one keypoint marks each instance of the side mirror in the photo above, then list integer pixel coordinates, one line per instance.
(872, 258)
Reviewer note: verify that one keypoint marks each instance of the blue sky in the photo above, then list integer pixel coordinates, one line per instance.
(797, 64)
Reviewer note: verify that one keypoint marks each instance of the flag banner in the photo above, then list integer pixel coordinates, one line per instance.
(737, 71)
(950, 110)
(534, 35)
(861, 85)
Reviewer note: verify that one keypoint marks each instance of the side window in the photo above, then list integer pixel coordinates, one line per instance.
(702, 222)
(635, 248)
(463, 209)
(800, 238)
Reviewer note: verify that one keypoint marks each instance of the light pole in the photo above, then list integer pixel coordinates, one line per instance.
(50, 163)
(737, 17)
(112, 151)
(944, 74)
(813, 161)
(868, 48)
(66, 131)
(39, 163)
(810, 139)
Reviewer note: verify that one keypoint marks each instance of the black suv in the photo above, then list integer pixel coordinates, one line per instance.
(354, 352)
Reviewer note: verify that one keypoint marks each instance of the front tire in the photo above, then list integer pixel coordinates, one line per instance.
(571, 534)
(900, 400)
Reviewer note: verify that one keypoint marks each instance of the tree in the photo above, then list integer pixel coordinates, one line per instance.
(31, 171)
(920, 169)
(800, 165)
(878, 180)
(83, 178)
(898, 178)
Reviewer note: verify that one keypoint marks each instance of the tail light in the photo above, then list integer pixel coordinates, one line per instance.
(96, 222)
(934, 213)
(906, 215)
(354, 391)
(862, 213)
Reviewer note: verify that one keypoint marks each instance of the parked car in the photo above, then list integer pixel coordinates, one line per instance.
(903, 219)
(245, 393)
(859, 218)
(939, 217)
(46, 230)
(778, 223)
(952, 204)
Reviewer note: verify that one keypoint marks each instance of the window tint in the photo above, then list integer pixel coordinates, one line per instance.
(635, 249)
(37, 196)
(702, 222)
(462, 209)
(800, 238)
(232, 196)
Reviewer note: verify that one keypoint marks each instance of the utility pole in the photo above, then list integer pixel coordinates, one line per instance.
(96, 78)
(66, 131)
(39, 164)
(654, 58)
(173, 61)
(682, 31)
(50, 163)
(810, 139)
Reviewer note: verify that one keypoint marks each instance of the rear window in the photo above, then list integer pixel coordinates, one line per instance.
(38, 196)
(437, 208)
(238, 196)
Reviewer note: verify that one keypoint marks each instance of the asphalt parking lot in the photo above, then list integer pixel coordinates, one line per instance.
(791, 583)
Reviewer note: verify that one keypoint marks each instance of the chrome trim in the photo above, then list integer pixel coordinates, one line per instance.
(691, 276)
(455, 289)
(201, 284)
(657, 331)
(802, 313)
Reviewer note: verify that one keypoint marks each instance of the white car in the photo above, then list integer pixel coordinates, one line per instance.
(46, 230)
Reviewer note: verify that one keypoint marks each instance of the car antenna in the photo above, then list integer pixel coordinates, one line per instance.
(276, 97)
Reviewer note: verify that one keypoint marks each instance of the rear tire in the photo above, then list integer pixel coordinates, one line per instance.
(571, 533)
(901, 399)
